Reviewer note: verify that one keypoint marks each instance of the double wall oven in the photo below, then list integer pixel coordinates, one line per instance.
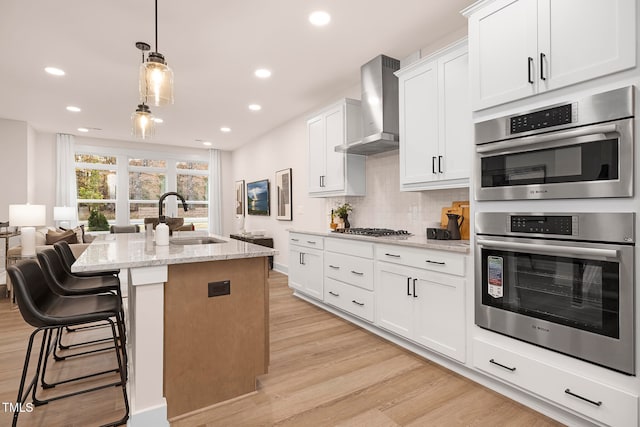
(560, 279)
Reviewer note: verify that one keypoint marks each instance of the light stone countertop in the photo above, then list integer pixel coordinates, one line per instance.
(127, 250)
(461, 246)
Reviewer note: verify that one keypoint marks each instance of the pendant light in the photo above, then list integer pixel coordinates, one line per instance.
(142, 123)
(156, 78)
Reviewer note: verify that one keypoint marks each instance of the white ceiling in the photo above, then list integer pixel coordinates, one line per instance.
(213, 48)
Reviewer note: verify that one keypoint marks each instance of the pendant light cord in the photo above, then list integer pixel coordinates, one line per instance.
(156, 26)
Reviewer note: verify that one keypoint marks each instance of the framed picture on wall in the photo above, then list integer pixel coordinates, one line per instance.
(283, 195)
(240, 197)
(258, 197)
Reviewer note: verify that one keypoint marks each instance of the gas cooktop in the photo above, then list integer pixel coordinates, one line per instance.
(374, 232)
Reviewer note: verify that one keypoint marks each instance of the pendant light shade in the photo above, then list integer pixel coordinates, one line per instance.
(142, 122)
(156, 78)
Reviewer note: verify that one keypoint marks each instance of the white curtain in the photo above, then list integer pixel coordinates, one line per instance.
(215, 195)
(66, 172)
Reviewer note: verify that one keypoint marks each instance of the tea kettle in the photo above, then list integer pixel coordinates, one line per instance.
(453, 226)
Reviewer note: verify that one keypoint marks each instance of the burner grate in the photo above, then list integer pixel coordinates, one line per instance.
(375, 232)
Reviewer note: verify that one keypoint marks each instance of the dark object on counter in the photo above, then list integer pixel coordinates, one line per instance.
(438, 234)
(454, 226)
(262, 241)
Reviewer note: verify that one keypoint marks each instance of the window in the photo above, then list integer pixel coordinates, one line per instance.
(147, 182)
(96, 179)
(192, 182)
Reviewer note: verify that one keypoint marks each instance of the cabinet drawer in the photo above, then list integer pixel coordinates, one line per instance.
(306, 240)
(441, 261)
(349, 247)
(351, 299)
(583, 395)
(350, 269)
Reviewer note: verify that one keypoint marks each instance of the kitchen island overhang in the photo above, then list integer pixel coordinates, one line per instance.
(180, 334)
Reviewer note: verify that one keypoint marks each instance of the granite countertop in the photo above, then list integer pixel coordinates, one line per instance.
(461, 246)
(127, 250)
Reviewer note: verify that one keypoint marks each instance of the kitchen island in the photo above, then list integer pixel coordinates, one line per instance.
(197, 319)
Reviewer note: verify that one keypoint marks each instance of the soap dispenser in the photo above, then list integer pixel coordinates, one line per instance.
(162, 234)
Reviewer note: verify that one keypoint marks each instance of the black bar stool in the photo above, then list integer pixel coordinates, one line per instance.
(47, 311)
(68, 258)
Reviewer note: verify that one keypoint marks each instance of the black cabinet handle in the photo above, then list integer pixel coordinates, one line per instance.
(357, 303)
(334, 294)
(542, 57)
(311, 242)
(393, 255)
(502, 366)
(433, 164)
(435, 262)
(440, 164)
(598, 403)
(529, 63)
(414, 288)
(357, 273)
(335, 267)
(302, 258)
(408, 284)
(295, 240)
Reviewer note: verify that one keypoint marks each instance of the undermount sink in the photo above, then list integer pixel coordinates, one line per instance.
(195, 240)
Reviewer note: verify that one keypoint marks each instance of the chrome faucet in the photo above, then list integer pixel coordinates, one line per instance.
(161, 217)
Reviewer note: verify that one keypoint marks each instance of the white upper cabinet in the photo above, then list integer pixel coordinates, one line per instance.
(518, 48)
(332, 173)
(435, 121)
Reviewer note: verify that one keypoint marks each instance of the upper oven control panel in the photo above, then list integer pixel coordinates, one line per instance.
(548, 224)
(550, 117)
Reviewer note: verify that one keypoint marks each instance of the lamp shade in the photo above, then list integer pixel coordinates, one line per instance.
(142, 122)
(27, 215)
(64, 213)
(156, 81)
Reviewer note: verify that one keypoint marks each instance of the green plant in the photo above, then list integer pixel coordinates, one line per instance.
(97, 221)
(343, 210)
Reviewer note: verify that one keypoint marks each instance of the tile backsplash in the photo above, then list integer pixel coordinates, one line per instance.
(386, 206)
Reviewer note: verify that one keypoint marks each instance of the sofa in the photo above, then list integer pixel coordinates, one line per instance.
(45, 241)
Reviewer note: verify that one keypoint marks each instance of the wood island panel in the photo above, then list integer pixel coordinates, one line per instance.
(214, 347)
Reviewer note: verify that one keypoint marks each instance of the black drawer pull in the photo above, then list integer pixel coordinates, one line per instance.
(357, 303)
(335, 267)
(502, 366)
(334, 294)
(295, 240)
(598, 403)
(357, 273)
(435, 262)
(311, 242)
(393, 255)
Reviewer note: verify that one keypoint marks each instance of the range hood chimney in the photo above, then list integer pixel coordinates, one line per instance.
(379, 108)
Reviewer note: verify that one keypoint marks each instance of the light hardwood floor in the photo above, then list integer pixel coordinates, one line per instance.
(324, 372)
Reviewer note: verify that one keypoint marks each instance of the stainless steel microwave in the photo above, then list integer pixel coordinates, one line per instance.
(580, 149)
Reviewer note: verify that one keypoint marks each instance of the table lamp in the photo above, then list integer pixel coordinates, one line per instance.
(64, 214)
(27, 217)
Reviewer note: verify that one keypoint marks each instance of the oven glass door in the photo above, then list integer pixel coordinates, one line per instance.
(571, 291)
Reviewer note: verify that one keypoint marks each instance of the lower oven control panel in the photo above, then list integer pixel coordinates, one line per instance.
(544, 224)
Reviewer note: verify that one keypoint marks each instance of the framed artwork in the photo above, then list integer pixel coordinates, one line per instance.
(240, 197)
(258, 197)
(283, 194)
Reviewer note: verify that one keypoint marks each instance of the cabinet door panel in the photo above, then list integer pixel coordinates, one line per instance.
(440, 315)
(334, 130)
(296, 272)
(456, 135)
(583, 39)
(313, 271)
(419, 129)
(503, 37)
(315, 135)
(394, 307)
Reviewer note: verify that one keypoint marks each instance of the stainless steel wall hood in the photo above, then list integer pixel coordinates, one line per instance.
(379, 108)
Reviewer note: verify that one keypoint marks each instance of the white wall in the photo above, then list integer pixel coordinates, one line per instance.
(13, 165)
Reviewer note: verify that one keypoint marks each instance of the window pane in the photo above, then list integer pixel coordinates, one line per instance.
(195, 211)
(193, 187)
(146, 186)
(148, 163)
(198, 166)
(97, 215)
(95, 158)
(143, 210)
(96, 184)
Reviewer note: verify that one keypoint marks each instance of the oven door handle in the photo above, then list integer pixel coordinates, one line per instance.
(539, 139)
(550, 249)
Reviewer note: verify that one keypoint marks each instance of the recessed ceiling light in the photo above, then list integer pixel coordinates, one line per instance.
(225, 129)
(73, 109)
(83, 130)
(158, 120)
(263, 73)
(207, 143)
(54, 71)
(255, 107)
(319, 18)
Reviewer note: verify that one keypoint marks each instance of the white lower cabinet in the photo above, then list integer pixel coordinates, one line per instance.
(354, 300)
(420, 305)
(586, 396)
(306, 264)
